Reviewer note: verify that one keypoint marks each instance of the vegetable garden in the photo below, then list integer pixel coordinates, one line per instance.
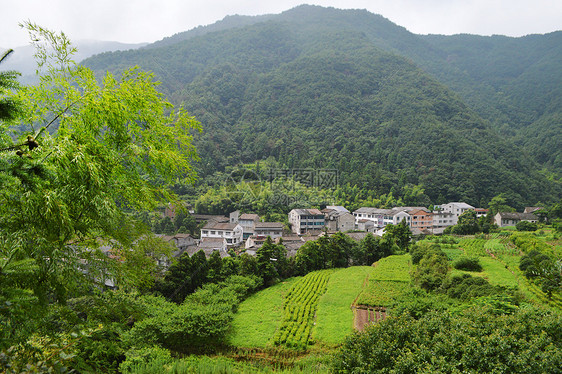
(299, 309)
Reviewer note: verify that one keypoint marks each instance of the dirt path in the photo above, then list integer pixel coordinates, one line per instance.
(366, 315)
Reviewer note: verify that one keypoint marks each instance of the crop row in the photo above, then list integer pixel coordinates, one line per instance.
(554, 301)
(299, 308)
(501, 247)
(473, 247)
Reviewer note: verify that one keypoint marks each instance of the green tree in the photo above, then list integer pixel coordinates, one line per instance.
(8, 82)
(467, 224)
(103, 147)
(184, 220)
(214, 265)
(339, 250)
(398, 234)
(499, 204)
(526, 226)
(438, 342)
(368, 251)
(310, 257)
(266, 257)
(431, 270)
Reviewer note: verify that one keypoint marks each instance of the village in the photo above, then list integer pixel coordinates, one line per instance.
(246, 232)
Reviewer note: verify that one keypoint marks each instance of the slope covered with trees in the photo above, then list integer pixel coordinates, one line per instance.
(324, 88)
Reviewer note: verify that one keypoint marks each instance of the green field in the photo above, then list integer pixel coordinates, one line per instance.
(389, 280)
(259, 316)
(299, 309)
(472, 247)
(334, 317)
(382, 293)
(453, 253)
(393, 268)
(494, 271)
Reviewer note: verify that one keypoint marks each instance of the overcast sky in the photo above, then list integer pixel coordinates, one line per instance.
(135, 21)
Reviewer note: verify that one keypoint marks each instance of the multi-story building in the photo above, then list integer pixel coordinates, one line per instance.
(456, 209)
(231, 232)
(421, 219)
(265, 229)
(441, 220)
(338, 220)
(248, 222)
(305, 220)
(376, 215)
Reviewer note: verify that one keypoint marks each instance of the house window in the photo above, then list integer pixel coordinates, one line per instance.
(205, 232)
(213, 232)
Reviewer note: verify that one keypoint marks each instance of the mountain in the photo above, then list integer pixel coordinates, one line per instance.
(322, 88)
(22, 59)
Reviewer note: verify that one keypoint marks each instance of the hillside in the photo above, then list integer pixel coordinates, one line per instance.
(22, 59)
(323, 88)
(388, 285)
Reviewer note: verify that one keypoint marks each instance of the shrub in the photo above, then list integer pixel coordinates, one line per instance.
(141, 356)
(526, 341)
(526, 226)
(424, 248)
(466, 287)
(468, 264)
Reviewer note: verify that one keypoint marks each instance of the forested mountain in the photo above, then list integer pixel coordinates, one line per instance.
(22, 61)
(324, 88)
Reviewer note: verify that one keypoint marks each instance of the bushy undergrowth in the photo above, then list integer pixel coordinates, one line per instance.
(468, 264)
(474, 340)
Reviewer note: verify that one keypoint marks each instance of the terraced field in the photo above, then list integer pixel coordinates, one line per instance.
(322, 306)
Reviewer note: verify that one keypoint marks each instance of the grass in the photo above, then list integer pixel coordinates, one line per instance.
(473, 247)
(382, 293)
(230, 365)
(259, 316)
(500, 246)
(453, 253)
(393, 268)
(334, 317)
(389, 280)
(494, 271)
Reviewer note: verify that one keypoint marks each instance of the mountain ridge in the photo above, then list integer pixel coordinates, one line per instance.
(223, 76)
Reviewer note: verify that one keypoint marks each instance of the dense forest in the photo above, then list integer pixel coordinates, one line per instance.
(317, 88)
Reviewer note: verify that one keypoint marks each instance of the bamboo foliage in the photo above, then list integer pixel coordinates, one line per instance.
(85, 151)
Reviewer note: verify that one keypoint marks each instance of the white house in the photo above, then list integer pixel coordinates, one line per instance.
(456, 209)
(231, 232)
(441, 220)
(305, 220)
(376, 215)
(400, 216)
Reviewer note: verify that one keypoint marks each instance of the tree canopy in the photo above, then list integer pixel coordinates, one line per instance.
(84, 153)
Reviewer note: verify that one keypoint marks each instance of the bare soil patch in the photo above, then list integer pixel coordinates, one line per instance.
(366, 315)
